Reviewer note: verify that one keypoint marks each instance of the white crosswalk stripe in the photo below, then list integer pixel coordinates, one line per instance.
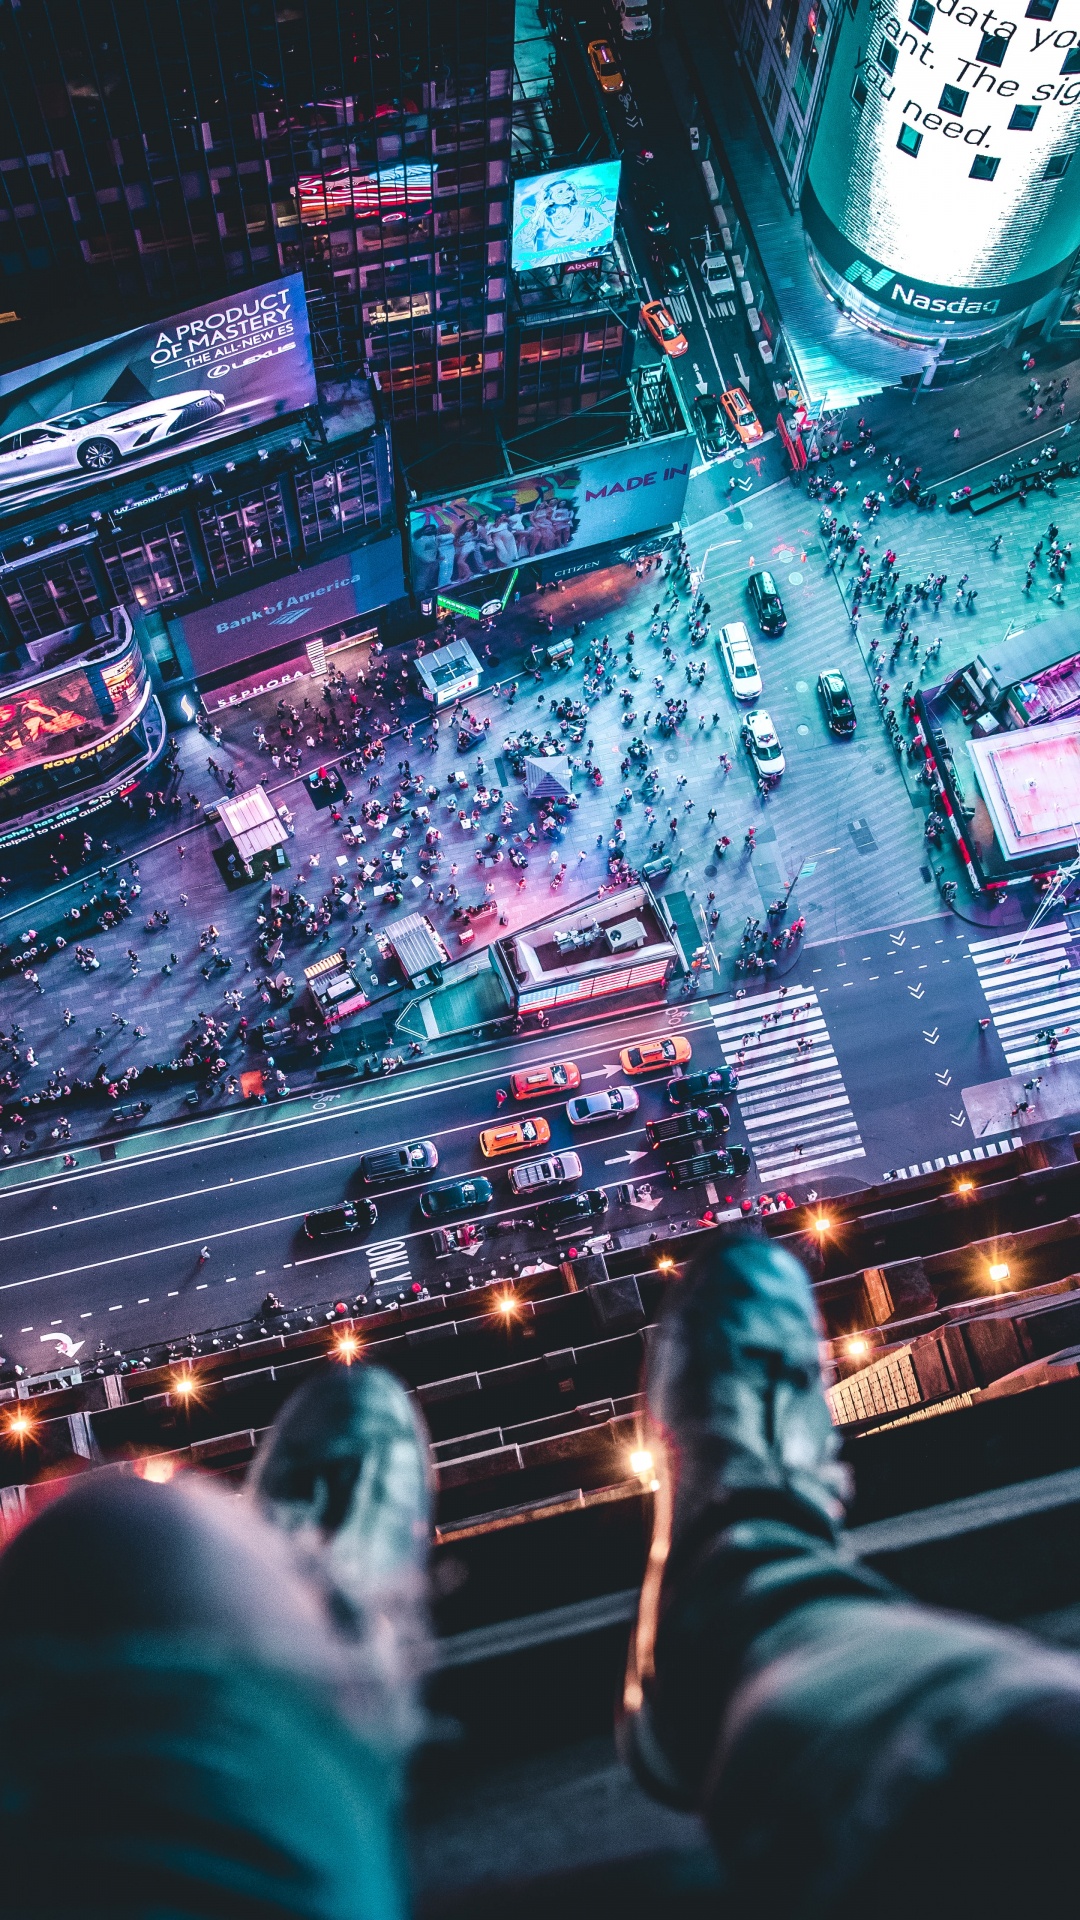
(793, 1101)
(1029, 986)
(986, 1152)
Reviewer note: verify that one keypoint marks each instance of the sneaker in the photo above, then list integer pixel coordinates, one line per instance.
(746, 1459)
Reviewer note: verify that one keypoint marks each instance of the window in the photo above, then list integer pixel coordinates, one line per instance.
(859, 91)
(334, 499)
(1023, 119)
(755, 47)
(786, 29)
(953, 100)
(983, 168)
(910, 141)
(1041, 9)
(1071, 62)
(771, 95)
(1056, 166)
(789, 145)
(151, 566)
(922, 15)
(992, 49)
(813, 38)
(56, 594)
(888, 56)
(245, 533)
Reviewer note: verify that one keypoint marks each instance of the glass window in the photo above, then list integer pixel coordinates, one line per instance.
(151, 566)
(859, 91)
(790, 143)
(1041, 9)
(992, 49)
(334, 498)
(983, 168)
(922, 15)
(1056, 166)
(953, 100)
(57, 594)
(247, 533)
(812, 42)
(888, 56)
(1071, 62)
(771, 95)
(755, 47)
(1023, 119)
(910, 141)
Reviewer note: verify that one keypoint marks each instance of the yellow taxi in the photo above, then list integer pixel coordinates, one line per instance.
(605, 66)
(741, 417)
(558, 1076)
(515, 1134)
(648, 1056)
(659, 324)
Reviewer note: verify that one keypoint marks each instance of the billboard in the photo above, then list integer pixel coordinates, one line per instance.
(528, 517)
(307, 602)
(564, 216)
(70, 713)
(141, 396)
(938, 194)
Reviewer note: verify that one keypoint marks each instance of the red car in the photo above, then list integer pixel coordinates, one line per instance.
(557, 1076)
(658, 322)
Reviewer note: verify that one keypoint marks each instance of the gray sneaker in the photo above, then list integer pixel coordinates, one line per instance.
(746, 1459)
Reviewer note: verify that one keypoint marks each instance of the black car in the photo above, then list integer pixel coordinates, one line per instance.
(655, 215)
(399, 1163)
(695, 1123)
(572, 1206)
(766, 602)
(705, 1089)
(836, 701)
(669, 265)
(708, 1166)
(709, 424)
(458, 1196)
(352, 1216)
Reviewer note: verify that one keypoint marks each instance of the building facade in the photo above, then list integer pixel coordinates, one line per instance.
(785, 48)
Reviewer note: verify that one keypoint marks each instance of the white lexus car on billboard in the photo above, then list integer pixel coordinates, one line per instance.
(93, 439)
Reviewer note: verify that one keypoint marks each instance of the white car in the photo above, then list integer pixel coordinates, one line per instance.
(93, 439)
(555, 1170)
(585, 1109)
(740, 661)
(761, 743)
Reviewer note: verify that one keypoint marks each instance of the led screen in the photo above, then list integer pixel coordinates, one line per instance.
(391, 194)
(138, 397)
(531, 516)
(69, 713)
(559, 217)
(939, 187)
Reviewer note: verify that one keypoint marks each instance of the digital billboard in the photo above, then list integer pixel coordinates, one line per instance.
(388, 194)
(139, 396)
(564, 216)
(528, 517)
(938, 191)
(69, 713)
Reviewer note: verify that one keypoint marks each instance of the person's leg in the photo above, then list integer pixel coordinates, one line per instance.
(808, 1710)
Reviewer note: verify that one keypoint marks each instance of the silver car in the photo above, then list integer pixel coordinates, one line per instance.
(585, 1109)
(554, 1170)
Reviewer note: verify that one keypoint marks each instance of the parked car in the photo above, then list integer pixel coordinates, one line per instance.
(740, 661)
(715, 272)
(669, 264)
(836, 700)
(766, 602)
(761, 743)
(745, 424)
(399, 1163)
(514, 1134)
(635, 21)
(556, 1077)
(605, 66)
(709, 1166)
(709, 425)
(662, 1050)
(695, 1123)
(614, 1103)
(586, 1205)
(702, 1089)
(658, 322)
(457, 1196)
(557, 1170)
(352, 1216)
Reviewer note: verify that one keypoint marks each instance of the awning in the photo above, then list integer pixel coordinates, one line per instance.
(251, 822)
(416, 945)
(548, 779)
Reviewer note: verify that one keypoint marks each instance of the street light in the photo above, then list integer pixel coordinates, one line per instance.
(998, 1271)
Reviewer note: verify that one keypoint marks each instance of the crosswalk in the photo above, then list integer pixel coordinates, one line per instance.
(1030, 986)
(792, 1097)
(987, 1151)
(389, 1264)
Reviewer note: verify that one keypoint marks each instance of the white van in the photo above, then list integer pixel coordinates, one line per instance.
(740, 661)
(532, 1176)
(635, 20)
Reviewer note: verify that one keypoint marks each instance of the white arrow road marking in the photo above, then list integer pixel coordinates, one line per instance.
(958, 1119)
(944, 1078)
(66, 1345)
(701, 385)
(596, 1073)
(917, 992)
(932, 1037)
(898, 939)
(626, 1159)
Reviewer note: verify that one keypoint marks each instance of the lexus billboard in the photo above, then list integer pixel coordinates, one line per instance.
(138, 397)
(939, 198)
(531, 516)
